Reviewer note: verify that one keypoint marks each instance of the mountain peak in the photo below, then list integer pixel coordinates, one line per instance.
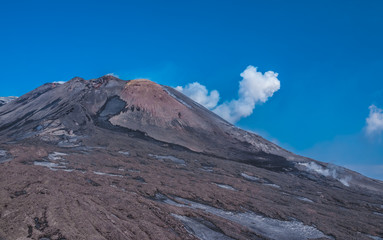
(141, 80)
(76, 79)
(140, 105)
(142, 153)
(108, 77)
(66, 113)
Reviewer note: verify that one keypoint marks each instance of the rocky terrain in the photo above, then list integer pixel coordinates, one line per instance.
(113, 159)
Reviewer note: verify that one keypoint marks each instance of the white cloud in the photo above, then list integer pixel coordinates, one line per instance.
(200, 94)
(60, 82)
(255, 87)
(113, 75)
(374, 121)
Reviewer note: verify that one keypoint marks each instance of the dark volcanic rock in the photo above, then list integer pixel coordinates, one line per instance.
(113, 159)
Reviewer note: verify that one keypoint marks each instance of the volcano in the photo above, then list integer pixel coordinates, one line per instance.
(112, 159)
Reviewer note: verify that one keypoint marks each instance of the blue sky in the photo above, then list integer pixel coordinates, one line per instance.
(328, 54)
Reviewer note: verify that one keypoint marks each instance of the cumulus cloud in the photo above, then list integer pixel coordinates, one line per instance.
(374, 121)
(254, 88)
(200, 94)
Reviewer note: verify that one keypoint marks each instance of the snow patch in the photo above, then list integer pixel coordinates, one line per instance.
(267, 227)
(107, 174)
(207, 169)
(126, 153)
(3, 153)
(55, 156)
(176, 98)
(250, 178)
(272, 185)
(4, 156)
(225, 186)
(305, 199)
(374, 237)
(171, 158)
(4, 100)
(52, 166)
(200, 230)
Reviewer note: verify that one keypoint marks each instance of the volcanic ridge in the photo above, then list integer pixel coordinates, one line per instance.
(112, 159)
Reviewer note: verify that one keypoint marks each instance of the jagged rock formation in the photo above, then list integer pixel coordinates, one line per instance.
(113, 159)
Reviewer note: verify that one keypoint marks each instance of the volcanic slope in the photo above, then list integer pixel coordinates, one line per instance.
(113, 159)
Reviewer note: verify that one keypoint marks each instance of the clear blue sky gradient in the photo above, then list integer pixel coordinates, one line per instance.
(329, 56)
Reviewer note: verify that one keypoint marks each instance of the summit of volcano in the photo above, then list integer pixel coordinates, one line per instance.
(112, 159)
